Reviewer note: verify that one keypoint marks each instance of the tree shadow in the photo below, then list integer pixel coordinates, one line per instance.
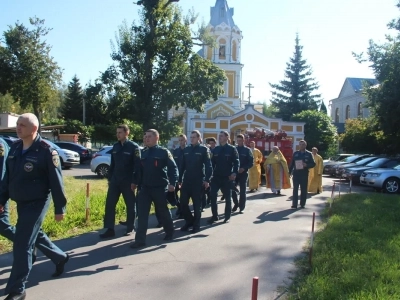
(274, 216)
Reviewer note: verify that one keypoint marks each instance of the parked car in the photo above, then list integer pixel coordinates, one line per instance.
(328, 169)
(101, 160)
(84, 153)
(9, 139)
(339, 169)
(336, 158)
(382, 162)
(387, 180)
(68, 158)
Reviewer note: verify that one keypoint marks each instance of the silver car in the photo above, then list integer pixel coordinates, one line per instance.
(387, 180)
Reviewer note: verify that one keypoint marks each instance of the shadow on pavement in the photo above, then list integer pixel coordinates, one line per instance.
(274, 216)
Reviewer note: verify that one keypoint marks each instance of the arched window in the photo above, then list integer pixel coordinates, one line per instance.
(234, 51)
(360, 110)
(347, 112)
(337, 115)
(222, 49)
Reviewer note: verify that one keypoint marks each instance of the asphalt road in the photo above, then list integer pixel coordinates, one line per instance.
(217, 263)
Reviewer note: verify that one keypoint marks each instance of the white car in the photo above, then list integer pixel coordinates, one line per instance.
(68, 158)
(100, 163)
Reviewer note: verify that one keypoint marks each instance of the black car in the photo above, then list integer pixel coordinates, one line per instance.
(366, 160)
(84, 153)
(330, 168)
(384, 162)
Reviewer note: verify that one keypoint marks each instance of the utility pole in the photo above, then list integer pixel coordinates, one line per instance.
(249, 86)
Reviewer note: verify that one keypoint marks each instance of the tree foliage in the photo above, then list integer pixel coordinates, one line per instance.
(296, 92)
(72, 108)
(383, 100)
(27, 70)
(269, 111)
(155, 63)
(318, 131)
(322, 108)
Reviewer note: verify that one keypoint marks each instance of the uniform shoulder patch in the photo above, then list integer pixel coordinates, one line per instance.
(137, 152)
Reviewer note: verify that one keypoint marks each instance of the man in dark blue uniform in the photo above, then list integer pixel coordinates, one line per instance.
(246, 162)
(225, 161)
(159, 173)
(302, 161)
(178, 157)
(212, 143)
(194, 174)
(32, 171)
(123, 177)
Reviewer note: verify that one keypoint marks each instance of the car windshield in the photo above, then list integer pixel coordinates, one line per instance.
(377, 163)
(52, 144)
(365, 160)
(350, 159)
(397, 167)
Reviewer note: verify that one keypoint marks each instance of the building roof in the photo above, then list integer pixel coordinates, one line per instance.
(201, 52)
(221, 13)
(357, 83)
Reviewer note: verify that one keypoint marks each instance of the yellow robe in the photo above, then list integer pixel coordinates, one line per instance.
(255, 170)
(277, 175)
(315, 176)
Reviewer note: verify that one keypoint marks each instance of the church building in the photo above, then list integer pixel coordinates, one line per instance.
(230, 112)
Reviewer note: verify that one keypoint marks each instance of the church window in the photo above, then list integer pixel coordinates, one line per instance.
(347, 112)
(337, 115)
(360, 110)
(222, 50)
(234, 51)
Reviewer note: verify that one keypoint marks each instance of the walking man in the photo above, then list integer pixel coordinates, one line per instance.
(123, 178)
(32, 170)
(196, 171)
(246, 162)
(159, 173)
(302, 161)
(225, 161)
(178, 157)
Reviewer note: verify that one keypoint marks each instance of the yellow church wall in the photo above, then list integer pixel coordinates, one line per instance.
(238, 119)
(211, 111)
(197, 124)
(287, 127)
(234, 51)
(260, 120)
(299, 128)
(274, 126)
(209, 52)
(224, 124)
(231, 83)
(210, 125)
(208, 135)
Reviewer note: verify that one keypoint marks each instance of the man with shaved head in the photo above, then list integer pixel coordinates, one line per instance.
(32, 171)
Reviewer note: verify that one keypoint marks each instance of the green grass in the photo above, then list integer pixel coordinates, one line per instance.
(74, 222)
(356, 252)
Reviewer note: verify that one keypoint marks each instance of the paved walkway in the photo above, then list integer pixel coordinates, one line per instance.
(217, 263)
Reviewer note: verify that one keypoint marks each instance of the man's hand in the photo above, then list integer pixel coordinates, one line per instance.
(232, 177)
(171, 188)
(180, 185)
(206, 184)
(59, 218)
(241, 170)
(1, 209)
(133, 187)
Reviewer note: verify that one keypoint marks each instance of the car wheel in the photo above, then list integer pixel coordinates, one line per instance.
(102, 170)
(391, 185)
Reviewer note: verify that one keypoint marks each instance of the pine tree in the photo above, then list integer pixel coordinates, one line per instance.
(73, 104)
(322, 108)
(294, 94)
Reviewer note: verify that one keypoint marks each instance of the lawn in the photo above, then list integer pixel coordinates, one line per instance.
(356, 252)
(74, 222)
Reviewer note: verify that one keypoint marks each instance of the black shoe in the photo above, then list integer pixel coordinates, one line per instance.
(109, 233)
(159, 225)
(227, 220)
(186, 227)
(137, 245)
(195, 230)
(212, 220)
(235, 208)
(222, 198)
(168, 237)
(241, 211)
(34, 255)
(203, 210)
(302, 206)
(60, 267)
(123, 223)
(278, 192)
(128, 233)
(294, 207)
(16, 296)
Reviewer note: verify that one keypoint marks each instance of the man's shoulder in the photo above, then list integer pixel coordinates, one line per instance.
(132, 144)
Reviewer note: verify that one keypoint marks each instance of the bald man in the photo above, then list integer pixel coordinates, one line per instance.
(32, 170)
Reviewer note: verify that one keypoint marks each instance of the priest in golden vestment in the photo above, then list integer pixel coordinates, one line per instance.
(255, 170)
(277, 171)
(315, 174)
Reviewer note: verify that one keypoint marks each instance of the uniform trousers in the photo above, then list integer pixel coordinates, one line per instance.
(193, 190)
(27, 231)
(241, 179)
(224, 184)
(300, 178)
(147, 195)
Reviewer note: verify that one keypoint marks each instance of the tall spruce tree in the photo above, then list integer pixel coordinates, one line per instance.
(322, 108)
(73, 104)
(294, 94)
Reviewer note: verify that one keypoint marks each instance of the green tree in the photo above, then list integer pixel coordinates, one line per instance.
(383, 100)
(7, 104)
(269, 111)
(28, 71)
(72, 108)
(361, 136)
(296, 92)
(318, 131)
(155, 61)
(322, 108)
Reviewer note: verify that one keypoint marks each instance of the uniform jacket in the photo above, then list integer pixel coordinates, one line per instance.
(245, 157)
(125, 163)
(33, 175)
(178, 157)
(4, 149)
(225, 160)
(158, 167)
(196, 164)
(306, 157)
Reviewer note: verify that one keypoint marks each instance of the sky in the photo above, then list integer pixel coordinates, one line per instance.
(329, 31)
